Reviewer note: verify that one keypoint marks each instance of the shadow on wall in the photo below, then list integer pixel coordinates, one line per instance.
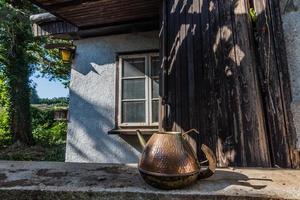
(92, 49)
(104, 49)
(88, 140)
(92, 97)
(289, 5)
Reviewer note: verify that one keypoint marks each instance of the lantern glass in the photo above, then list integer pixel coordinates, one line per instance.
(66, 55)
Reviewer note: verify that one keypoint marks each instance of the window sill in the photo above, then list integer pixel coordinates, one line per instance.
(130, 131)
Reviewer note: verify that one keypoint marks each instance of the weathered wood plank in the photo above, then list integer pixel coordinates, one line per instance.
(284, 78)
(202, 85)
(163, 38)
(190, 60)
(214, 76)
(254, 139)
(270, 84)
(177, 66)
(184, 85)
(197, 66)
(227, 145)
(190, 71)
(173, 42)
(284, 139)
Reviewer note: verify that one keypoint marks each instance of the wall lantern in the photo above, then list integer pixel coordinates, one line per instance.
(67, 54)
(66, 51)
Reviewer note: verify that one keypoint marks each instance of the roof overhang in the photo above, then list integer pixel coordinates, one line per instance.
(46, 24)
(89, 14)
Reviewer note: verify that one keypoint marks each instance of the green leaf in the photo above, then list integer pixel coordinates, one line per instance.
(253, 14)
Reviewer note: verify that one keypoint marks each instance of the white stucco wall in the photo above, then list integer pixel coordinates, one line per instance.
(92, 98)
(291, 25)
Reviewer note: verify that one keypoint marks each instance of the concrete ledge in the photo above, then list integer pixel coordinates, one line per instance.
(44, 180)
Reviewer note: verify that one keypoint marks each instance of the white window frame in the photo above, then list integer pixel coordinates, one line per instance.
(148, 90)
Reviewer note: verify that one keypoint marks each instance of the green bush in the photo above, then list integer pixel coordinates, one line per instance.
(5, 137)
(53, 135)
(45, 130)
(42, 117)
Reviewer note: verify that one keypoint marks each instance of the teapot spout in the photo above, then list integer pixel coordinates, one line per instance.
(141, 138)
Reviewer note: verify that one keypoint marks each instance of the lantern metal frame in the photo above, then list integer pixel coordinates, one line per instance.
(70, 48)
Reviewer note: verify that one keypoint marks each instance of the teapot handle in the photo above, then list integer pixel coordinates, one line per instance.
(210, 156)
(189, 131)
(212, 163)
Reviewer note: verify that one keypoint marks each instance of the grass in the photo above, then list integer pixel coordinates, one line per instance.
(21, 152)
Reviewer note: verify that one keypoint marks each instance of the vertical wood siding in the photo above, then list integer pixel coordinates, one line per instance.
(226, 76)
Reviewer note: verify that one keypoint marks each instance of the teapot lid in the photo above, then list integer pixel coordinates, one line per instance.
(170, 132)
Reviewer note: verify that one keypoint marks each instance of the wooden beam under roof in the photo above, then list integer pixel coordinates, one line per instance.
(58, 4)
(46, 24)
(87, 14)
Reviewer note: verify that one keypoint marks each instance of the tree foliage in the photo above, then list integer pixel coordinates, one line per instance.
(20, 56)
(15, 36)
(34, 97)
(5, 137)
(61, 101)
(46, 61)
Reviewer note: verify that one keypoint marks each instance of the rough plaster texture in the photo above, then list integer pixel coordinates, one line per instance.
(45, 181)
(92, 98)
(289, 5)
(297, 4)
(291, 25)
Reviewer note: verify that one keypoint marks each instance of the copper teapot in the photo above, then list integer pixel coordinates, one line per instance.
(169, 162)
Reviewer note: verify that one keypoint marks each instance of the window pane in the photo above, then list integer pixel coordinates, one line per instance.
(133, 112)
(154, 111)
(133, 67)
(155, 66)
(155, 88)
(133, 89)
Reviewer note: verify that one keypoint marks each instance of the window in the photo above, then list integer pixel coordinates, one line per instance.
(139, 90)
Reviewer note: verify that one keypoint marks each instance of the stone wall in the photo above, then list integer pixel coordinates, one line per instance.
(291, 25)
(92, 99)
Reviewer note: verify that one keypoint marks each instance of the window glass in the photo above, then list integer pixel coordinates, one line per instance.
(155, 66)
(155, 88)
(133, 67)
(133, 112)
(154, 111)
(133, 89)
(139, 90)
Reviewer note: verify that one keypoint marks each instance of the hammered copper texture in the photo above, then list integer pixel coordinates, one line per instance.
(169, 154)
